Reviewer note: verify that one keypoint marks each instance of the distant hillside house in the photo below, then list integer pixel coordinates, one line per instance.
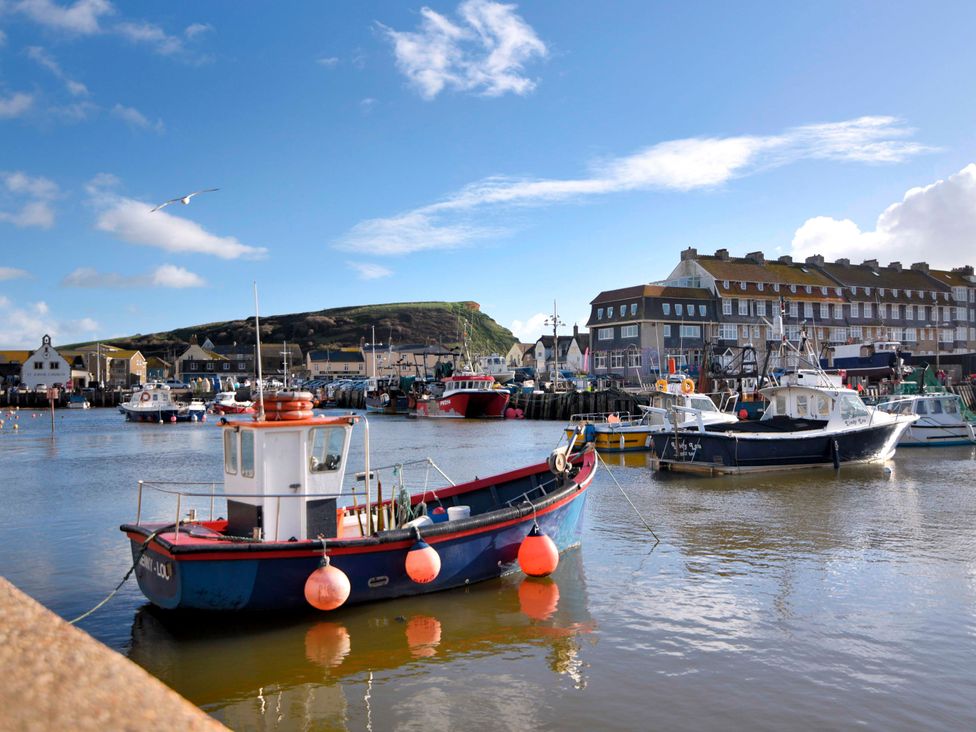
(45, 366)
(126, 368)
(517, 353)
(331, 364)
(570, 351)
(157, 369)
(276, 357)
(11, 363)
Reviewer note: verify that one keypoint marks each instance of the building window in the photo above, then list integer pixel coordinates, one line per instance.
(776, 287)
(691, 331)
(808, 310)
(792, 288)
(39, 365)
(667, 331)
(599, 313)
(666, 308)
(838, 335)
(605, 334)
(909, 312)
(610, 311)
(755, 333)
(881, 291)
(794, 309)
(701, 310)
(910, 335)
(616, 359)
(633, 309)
(867, 291)
(809, 289)
(726, 307)
(634, 359)
(760, 308)
(600, 360)
(960, 315)
(742, 285)
(743, 307)
(728, 332)
(55, 366)
(855, 332)
(855, 309)
(628, 331)
(824, 311)
(226, 367)
(679, 309)
(759, 286)
(725, 284)
(838, 312)
(867, 310)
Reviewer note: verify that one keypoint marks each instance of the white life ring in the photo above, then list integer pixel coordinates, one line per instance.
(145, 396)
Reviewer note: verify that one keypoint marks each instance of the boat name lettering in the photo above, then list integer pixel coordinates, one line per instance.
(161, 569)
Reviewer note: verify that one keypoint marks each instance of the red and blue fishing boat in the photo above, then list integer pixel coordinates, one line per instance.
(460, 396)
(288, 507)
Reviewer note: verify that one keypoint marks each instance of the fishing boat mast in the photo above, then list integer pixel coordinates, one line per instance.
(259, 415)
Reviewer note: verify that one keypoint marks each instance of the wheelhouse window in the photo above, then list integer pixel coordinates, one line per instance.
(230, 452)
(247, 454)
(852, 407)
(325, 449)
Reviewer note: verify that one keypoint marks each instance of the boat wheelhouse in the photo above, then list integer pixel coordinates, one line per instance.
(496, 367)
(881, 359)
(287, 504)
(941, 419)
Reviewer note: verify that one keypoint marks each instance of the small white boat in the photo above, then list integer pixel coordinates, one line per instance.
(941, 419)
(495, 366)
(154, 403)
(226, 402)
(77, 401)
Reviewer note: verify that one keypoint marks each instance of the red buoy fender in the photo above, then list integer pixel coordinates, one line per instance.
(538, 555)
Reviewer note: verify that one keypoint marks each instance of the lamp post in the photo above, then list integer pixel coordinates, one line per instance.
(555, 322)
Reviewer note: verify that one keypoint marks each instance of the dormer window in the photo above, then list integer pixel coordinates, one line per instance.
(839, 291)
(853, 290)
(725, 284)
(894, 292)
(823, 290)
(610, 311)
(633, 309)
(760, 286)
(776, 287)
(867, 290)
(742, 285)
(599, 313)
(881, 291)
(792, 288)
(809, 289)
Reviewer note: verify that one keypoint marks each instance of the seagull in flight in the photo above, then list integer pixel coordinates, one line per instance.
(183, 199)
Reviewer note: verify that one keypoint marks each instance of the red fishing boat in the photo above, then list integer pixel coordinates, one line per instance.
(462, 396)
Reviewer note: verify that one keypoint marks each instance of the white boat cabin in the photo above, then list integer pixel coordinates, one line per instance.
(283, 478)
(837, 407)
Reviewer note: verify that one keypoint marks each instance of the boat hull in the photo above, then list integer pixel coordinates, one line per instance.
(263, 576)
(736, 452)
(165, 414)
(938, 435)
(465, 405)
(397, 405)
(632, 439)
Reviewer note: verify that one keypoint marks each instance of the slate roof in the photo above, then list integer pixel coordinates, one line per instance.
(337, 356)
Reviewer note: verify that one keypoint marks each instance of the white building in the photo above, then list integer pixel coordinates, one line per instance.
(45, 366)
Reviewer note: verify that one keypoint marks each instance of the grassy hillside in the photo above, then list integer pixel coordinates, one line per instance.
(405, 322)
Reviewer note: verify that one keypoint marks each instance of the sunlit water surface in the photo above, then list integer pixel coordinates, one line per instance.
(810, 600)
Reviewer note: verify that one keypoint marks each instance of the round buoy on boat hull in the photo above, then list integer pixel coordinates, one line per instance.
(423, 563)
(538, 555)
(327, 587)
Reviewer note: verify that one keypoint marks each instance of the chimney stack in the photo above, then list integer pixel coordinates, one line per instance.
(895, 266)
(872, 263)
(844, 262)
(722, 254)
(785, 259)
(816, 259)
(689, 253)
(757, 257)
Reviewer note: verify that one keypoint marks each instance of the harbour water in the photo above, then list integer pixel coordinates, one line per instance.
(807, 600)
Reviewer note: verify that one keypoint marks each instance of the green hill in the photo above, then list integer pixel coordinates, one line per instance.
(399, 323)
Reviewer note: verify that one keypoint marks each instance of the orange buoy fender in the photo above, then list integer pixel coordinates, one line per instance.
(423, 563)
(327, 587)
(538, 555)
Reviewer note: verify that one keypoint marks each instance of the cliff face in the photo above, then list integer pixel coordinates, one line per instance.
(401, 323)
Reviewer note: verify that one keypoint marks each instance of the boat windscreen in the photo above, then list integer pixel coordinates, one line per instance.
(702, 404)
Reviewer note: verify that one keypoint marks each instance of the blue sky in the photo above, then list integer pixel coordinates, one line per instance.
(508, 154)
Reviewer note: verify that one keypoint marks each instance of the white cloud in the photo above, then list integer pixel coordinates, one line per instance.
(330, 62)
(166, 275)
(23, 327)
(43, 58)
(195, 29)
(15, 105)
(367, 104)
(370, 271)
(680, 165)
(934, 223)
(131, 221)
(12, 273)
(528, 331)
(81, 17)
(134, 118)
(37, 211)
(152, 35)
(485, 52)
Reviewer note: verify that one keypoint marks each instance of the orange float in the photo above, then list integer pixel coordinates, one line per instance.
(327, 587)
(423, 563)
(538, 555)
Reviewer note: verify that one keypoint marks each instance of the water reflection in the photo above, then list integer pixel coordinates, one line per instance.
(231, 667)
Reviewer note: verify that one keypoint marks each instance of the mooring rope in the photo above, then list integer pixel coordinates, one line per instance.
(135, 562)
(643, 520)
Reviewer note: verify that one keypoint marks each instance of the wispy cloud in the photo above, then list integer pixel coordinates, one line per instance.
(329, 62)
(195, 29)
(134, 118)
(82, 17)
(678, 165)
(36, 210)
(132, 221)
(15, 104)
(484, 52)
(24, 326)
(167, 275)
(935, 223)
(12, 273)
(47, 61)
(370, 271)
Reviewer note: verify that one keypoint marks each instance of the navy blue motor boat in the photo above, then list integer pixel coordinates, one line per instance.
(286, 506)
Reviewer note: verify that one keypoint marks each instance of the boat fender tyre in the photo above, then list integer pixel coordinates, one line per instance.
(687, 386)
(661, 384)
